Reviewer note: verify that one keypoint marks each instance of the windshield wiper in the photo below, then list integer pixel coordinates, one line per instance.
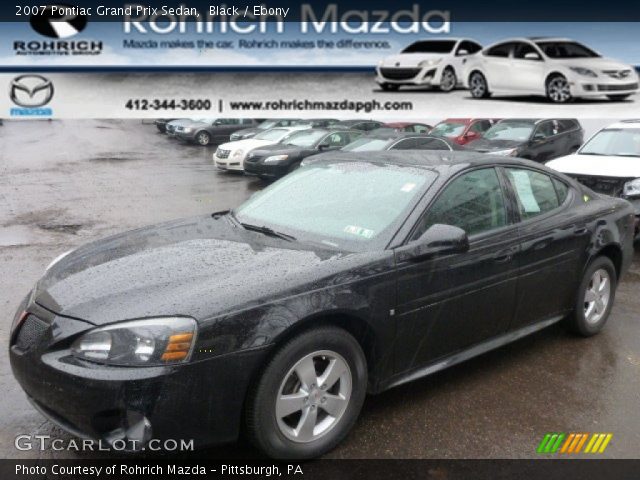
(229, 214)
(268, 231)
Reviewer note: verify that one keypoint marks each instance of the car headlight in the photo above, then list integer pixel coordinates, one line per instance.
(154, 341)
(510, 152)
(584, 72)
(429, 63)
(276, 158)
(632, 188)
(238, 154)
(188, 130)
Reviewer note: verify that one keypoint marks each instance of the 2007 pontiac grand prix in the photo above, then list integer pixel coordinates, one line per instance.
(349, 276)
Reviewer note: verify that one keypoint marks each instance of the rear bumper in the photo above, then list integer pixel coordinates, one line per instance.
(200, 401)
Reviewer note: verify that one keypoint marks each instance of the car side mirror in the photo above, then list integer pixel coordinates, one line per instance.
(532, 56)
(462, 52)
(324, 146)
(439, 239)
(217, 123)
(471, 135)
(538, 137)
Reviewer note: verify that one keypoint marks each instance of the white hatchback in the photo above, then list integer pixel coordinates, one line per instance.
(558, 68)
(231, 155)
(435, 63)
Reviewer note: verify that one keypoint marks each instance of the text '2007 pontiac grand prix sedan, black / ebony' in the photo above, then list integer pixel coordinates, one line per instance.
(353, 274)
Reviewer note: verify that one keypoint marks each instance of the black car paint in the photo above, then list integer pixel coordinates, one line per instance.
(533, 148)
(254, 163)
(249, 292)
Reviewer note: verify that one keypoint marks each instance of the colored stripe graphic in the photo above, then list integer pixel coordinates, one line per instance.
(574, 443)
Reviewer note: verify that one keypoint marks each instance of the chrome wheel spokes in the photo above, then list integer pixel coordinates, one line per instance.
(597, 296)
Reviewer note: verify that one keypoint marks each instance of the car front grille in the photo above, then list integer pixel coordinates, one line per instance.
(620, 74)
(605, 185)
(618, 88)
(399, 73)
(222, 154)
(171, 128)
(31, 332)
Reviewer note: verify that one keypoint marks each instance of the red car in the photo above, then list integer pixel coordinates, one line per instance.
(463, 130)
(410, 127)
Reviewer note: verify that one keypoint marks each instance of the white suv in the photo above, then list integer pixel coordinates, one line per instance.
(608, 163)
(558, 68)
(436, 63)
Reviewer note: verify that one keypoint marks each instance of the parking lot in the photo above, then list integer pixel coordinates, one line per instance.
(64, 183)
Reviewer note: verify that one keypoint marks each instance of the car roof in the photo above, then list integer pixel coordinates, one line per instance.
(389, 134)
(402, 124)
(631, 123)
(550, 39)
(438, 160)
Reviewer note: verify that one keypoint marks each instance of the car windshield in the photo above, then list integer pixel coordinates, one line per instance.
(275, 134)
(509, 131)
(366, 144)
(431, 46)
(448, 129)
(305, 139)
(268, 124)
(616, 142)
(566, 50)
(351, 205)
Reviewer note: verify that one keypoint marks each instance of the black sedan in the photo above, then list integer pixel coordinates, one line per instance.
(277, 160)
(533, 139)
(349, 276)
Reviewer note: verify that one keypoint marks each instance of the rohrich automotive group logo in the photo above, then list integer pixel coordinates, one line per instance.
(59, 23)
(52, 22)
(573, 443)
(31, 94)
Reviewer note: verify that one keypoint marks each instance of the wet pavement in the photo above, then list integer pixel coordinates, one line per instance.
(64, 183)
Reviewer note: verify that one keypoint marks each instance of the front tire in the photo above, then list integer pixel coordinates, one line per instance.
(309, 396)
(203, 138)
(448, 81)
(618, 98)
(558, 89)
(595, 298)
(478, 86)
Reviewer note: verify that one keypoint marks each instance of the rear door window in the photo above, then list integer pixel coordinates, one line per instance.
(535, 192)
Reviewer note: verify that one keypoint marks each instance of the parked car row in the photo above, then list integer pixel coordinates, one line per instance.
(559, 68)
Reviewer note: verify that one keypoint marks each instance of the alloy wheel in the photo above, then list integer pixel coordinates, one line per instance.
(559, 90)
(448, 81)
(313, 396)
(597, 296)
(478, 85)
(203, 138)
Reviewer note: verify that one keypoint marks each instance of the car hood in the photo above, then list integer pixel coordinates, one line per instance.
(201, 267)
(598, 63)
(247, 144)
(248, 131)
(597, 165)
(181, 123)
(484, 145)
(410, 59)
(277, 149)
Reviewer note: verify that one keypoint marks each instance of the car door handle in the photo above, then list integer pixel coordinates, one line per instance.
(580, 230)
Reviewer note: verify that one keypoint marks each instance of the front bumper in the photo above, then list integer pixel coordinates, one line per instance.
(200, 401)
(185, 136)
(228, 163)
(430, 75)
(268, 170)
(602, 85)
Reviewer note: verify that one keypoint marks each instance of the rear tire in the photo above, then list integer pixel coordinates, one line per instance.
(324, 407)
(595, 297)
(618, 98)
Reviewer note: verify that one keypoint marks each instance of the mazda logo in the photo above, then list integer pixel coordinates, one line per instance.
(31, 91)
(56, 25)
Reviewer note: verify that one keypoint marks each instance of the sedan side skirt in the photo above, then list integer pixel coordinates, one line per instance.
(472, 352)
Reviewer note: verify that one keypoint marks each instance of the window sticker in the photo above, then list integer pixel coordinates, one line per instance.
(522, 184)
(361, 232)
